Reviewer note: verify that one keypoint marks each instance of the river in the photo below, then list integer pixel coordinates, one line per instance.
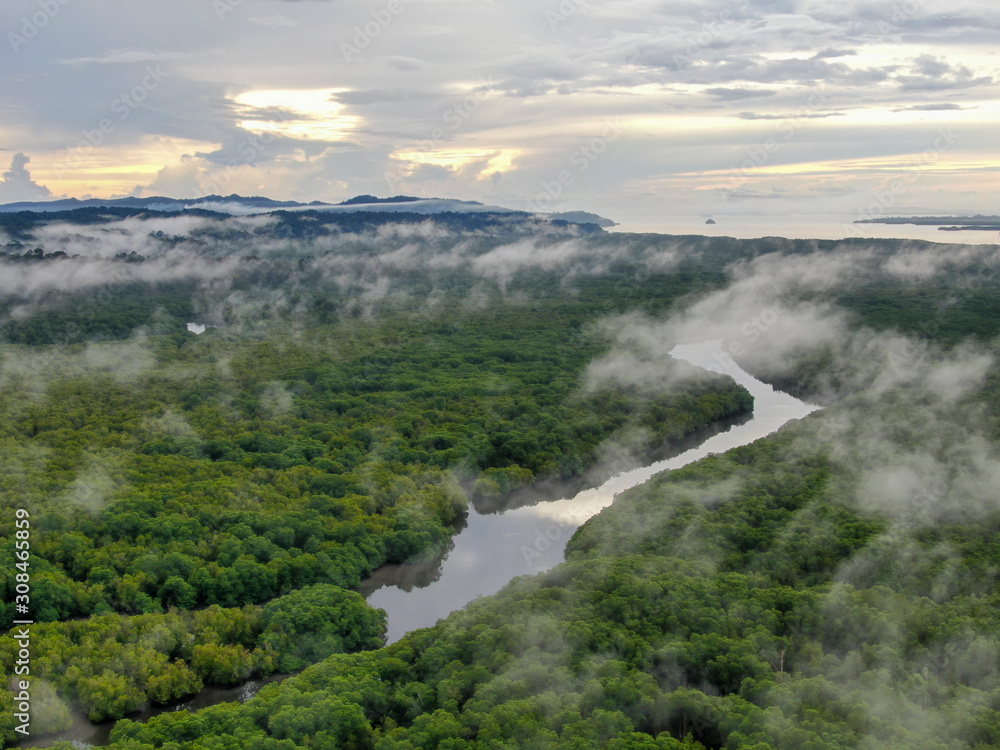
(493, 548)
(497, 545)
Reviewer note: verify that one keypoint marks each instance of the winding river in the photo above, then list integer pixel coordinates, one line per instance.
(496, 545)
(494, 548)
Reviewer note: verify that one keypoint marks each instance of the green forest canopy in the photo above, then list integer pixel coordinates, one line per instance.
(204, 507)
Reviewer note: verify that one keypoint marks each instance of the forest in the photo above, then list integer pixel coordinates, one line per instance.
(204, 507)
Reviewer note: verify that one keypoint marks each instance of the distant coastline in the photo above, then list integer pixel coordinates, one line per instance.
(944, 223)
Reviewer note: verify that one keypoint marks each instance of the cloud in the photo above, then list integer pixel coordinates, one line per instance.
(125, 361)
(738, 93)
(381, 96)
(933, 108)
(930, 73)
(273, 22)
(777, 313)
(17, 184)
(399, 62)
(907, 432)
(639, 359)
(634, 61)
(915, 443)
(831, 53)
(177, 181)
(92, 488)
(125, 56)
(789, 117)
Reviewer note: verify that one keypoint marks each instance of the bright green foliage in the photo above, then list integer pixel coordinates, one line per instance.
(183, 487)
(653, 640)
(162, 658)
(757, 600)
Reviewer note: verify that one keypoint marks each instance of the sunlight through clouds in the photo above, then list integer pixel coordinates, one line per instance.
(114, 170)
(493, 101)
(306, 114)
(492, 160)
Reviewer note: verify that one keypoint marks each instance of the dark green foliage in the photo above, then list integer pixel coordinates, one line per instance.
(317, 621)
(112, 312)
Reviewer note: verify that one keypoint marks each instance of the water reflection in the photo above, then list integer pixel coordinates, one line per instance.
(494, 548)
(422, 574)
(524, 534)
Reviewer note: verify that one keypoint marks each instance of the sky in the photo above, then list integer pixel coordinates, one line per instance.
(634, 109)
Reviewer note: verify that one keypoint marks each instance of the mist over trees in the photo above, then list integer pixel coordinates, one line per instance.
(205, 506)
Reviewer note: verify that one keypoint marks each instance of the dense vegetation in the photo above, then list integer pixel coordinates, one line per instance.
(701, 610)
(184, 490)
(111, 665)
(204, 505)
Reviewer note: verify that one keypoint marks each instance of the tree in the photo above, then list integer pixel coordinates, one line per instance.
(317, 621)
(108, 696)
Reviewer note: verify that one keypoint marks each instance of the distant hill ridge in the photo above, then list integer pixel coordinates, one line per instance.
(369, 199)
(156, 203)
(238, 204)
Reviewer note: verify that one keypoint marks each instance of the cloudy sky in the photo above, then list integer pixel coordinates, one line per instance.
(632, 108)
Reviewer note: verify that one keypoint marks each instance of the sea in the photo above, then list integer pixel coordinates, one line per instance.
(822, 227)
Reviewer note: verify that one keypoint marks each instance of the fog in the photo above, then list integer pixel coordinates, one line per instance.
(906, 430)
